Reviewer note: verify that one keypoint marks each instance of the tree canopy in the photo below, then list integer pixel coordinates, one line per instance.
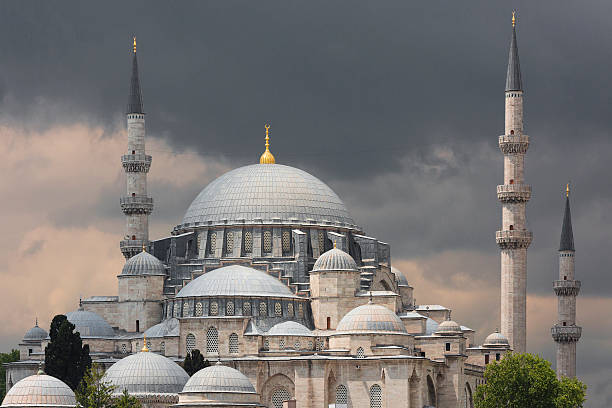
(95, 392)
(527, 381)
(66, 357)
(194, 362)
(6, 358)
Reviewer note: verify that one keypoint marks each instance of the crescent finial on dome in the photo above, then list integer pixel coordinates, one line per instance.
(267, 157)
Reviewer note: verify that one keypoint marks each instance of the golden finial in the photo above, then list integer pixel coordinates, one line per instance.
(334, 244)
(567, 190)
(144, 247)
(134, 45)
(513, 21)
(267, 157)
(145, 349)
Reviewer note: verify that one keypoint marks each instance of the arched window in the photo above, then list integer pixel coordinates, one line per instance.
(278, 310)
(279, 396)
(297, 345)
(281, 344)
(290, 310)
(263, 309)
(198, 309)
(319, 344)
(512, 132)
(469, 401)
(229, 243)
(246, 309)
(190, 343)
(177, 310)
(341, 396)
(233, 343)
(123, 348)
(300, 311)
(267, 241)
(360, 352)
(511, 227)
(185, 309)
(162, 348)
(375, 396)
(213, 241)
(212, 340)
(229, 308)
(266, 344)
(286, 240)
(168, 310)
(321, 242)
(310, 344)
(133, 237)
(248, 242)
(214, 309)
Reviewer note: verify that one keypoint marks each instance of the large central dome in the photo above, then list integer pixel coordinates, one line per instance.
(267, 193)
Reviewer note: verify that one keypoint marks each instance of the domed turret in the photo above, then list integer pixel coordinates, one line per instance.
(35, 334)
(41, 391)
(448, 328)
(335, 260)
(371, 318)
(90, 324)
(496, 339)
(143, 264)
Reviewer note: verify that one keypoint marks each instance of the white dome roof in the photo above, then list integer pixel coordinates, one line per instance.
(39, 390)
(146, 373)
(35, 333)
(266, 193)
(235, 280)
(169, 327)
(371, 318)
(289, 329)
(143, 264)
(496, 339)
(335, 260)
(219, 378)
(449, 327)
(90, 324)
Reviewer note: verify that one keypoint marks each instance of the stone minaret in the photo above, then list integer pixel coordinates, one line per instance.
(135, 204)
(565, 332)
(514, 239)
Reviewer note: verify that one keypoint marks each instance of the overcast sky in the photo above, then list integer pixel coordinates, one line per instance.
(396, 105)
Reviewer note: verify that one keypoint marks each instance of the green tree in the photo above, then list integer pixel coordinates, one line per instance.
(127, 401)
(93, 391)
(66, 357)
(194, 362)
(6, 358)
(527, 381)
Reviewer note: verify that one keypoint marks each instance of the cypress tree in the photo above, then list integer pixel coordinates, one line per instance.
(194, 362)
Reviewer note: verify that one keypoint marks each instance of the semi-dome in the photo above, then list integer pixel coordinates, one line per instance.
(235, 280)
(219, 378)
(90, 324)
(266, 193)
(399, 277)
(143, 264)
(371, 318)
(448, 328)
(289, 329)
(169, 327)
(496, 339)
(35, 333)
(39, 390)
(146, 373)
(335, 260)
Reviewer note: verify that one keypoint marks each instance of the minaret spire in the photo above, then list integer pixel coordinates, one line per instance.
(565, 332)
(135, 97)
(513, 76)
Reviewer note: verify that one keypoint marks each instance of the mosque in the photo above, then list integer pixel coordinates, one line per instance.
(270, 277)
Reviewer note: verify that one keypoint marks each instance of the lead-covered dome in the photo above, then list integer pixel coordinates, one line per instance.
(143, 264)
(289, 328)
(335, 260)
(146, 373)
(35, 333)
(449, 328)
(39, 390)
(235, 280)
(219, 378)
(266, 193)
(496, 339)
(371, 318)
(90, 324)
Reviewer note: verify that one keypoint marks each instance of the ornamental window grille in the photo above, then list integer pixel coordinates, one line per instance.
(321, 242)
(229, 308)
(123, 348)
(360, 352)
(162, 347)
(248, 242)
(263, 309)
(177, 310)
(214, 309)
(300, 310)
(278, 310)
(185, 309)
(281, 344)
(190, 343)
(246, 308)
(267, 241)
(233, 343)
(290, 310)
(286, 239)
(375, 396)
(199, 242)
(168, 310)
(213, 241)
(319, 344)
(148, 344)
(297, 345)
(266, 344)
(199, 310)
(229, 243)
(212, 340)
(279, 396)
(341, 396)
(310, 344)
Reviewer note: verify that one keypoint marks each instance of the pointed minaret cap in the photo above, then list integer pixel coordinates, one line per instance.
(513, 77)
(267, 157)
(567, 235)
(135, 97)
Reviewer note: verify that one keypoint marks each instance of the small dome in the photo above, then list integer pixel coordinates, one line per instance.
(143, 264)
(289, 329)
(89, 324)
(399, 277)
(335, 260)
(496, 339)
(35, 333)
(39, 390)
(236, 280)
(219, 378)
(371, 318)
(169, 327)
(146, 373)
(449, 328)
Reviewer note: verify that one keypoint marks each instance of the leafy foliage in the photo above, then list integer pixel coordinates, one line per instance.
(6, 358)
(127, 401)
(527, 381)
(65, 356)
(93, 391)
(194, 362)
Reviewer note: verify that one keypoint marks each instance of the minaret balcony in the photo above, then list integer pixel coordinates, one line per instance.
(136, 163)
(513, 239)
(136, 205)
(131, 247)
(513, 193)
(566, 334)
(566, 287)
(513, 144)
